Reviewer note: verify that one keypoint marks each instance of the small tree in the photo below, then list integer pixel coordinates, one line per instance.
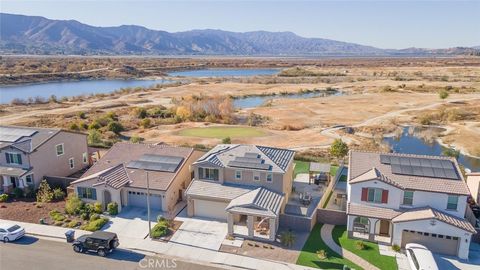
(115, 127)
(112, 208)
(339, 149)
(443, 94)
(45, 193)
(226, 140)
(94, 137)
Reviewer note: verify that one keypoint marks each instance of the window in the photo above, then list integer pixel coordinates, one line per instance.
(269, 177)
(375, 195)
(71, 162)
(85, 158)
(29, 179)
(87, 193)
(407, 198)
(209, 174)
(13, 158)
(256, 176)
(452, 202)
(238, 175)
(59, 149)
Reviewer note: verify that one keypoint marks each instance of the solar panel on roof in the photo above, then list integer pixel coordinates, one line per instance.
(452, 174)
(425, 167)
(404, 161)
(396, 169)
(425, 162)
(161, 158)
(385, 159)
(249, 160)
(436, 163)
(415, 162)
(156, 163)
(438, 172)
(11, 134)
(428, 172)
(406, 169)
(447, 164)
(248, 165)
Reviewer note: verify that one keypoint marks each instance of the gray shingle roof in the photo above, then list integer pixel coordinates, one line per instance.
(222, 155)
(363, 162)
(258, 201)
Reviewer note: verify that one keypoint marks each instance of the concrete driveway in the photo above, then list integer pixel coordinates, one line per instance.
(203, 233)
(131, 222)
(450, 262)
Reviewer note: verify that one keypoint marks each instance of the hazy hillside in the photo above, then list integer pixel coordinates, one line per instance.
(37, 35)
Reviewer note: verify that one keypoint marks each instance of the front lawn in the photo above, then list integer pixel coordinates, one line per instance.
(370, 253)
(308, 256)
(301, 167)
(221, 132)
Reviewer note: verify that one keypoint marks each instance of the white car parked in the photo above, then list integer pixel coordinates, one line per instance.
(420, 258)
(11, 232)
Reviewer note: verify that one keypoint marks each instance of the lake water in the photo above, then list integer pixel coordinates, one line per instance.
(228, 72)
(257, 101)
(70, 88)
(414, 143)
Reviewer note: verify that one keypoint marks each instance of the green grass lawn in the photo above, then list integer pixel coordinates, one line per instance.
(333, 170)
(308, 255)
(222, 132)
(370, 253)
(301, 167)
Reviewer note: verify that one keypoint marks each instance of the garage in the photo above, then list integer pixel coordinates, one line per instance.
(139, 199)
(439, 243)
(210, 209)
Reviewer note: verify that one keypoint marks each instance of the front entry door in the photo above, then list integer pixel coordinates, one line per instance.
(384, 227)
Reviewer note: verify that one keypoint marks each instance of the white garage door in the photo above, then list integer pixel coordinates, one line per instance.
(210, 209)
(439, 243)
(139, 199)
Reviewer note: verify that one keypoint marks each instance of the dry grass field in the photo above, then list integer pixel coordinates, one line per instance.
(378, 95)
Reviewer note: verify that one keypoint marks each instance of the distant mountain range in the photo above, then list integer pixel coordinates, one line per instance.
(21, 34)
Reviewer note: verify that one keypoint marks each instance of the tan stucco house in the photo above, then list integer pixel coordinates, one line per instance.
(473, 182)
(245, 185)
(121, 176)
(27, 155)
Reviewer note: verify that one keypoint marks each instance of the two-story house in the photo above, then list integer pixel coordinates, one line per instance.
(473, 182)
(124, 173)
(399, 199)
(28, 154)
(245, 185)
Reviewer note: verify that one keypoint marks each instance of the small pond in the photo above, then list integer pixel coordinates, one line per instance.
(70, 88)
(418, 140)
(257, 101)
(227, 72)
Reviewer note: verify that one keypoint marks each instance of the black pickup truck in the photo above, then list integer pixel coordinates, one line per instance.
(99, 241)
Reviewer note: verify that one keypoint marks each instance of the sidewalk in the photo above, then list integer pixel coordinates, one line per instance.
(170, 249)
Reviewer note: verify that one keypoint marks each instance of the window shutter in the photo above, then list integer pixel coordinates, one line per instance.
(7, 156)
(200, 173)
(364, 194)
(19, 158)
(79, 191)
(215, 175)
(385, 196)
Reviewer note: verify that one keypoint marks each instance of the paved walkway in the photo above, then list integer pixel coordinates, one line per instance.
(150, 247)
(326, 234)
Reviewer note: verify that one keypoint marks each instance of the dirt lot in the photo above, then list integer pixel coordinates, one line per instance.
(262, 250)
(27, 211)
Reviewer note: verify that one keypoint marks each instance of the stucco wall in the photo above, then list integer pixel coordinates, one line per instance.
(46, 162)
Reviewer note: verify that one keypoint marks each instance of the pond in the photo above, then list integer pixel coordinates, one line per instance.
(227, 72)
(70, 88)
(257, 101)
(418, 140)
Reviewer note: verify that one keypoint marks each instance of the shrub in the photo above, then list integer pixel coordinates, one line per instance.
(338, 149)
(95, 225)
(287, 238)
(160, 229)
(81, 115)
(112, 208)
(73, 224)
(17, 192)
(146, 123)
(73, 205)
(136, 139)
(58, 223)
(443, 94)
(425, 119)
(44, 193)
(3, 197)
(58, 194)
(141, 113)
(74, 126)
(84, 216)
(94, 137)
(94, 125)
(227, 140)
(97, 208)
(360, 245)
(94, 217)
(396, 248)
(115, 127)
(56, 216)
(322, 254)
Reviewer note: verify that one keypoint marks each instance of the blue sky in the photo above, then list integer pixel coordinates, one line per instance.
(383, 24)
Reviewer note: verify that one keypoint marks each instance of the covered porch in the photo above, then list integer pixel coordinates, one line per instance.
(11, 178)
(255, 214)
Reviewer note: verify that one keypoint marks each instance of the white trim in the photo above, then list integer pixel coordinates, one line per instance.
(63, 149)
(16, 154)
